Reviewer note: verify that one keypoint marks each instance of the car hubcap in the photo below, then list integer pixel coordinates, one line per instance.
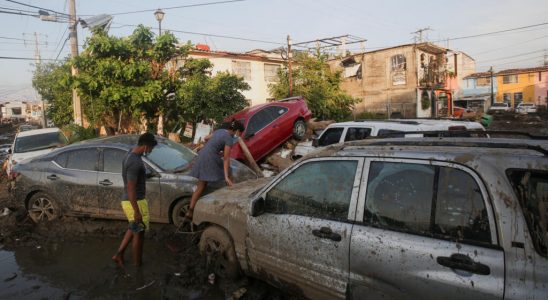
(300, 129)
(42, 209)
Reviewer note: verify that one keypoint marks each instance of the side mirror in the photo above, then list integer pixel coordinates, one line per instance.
(257, 207)
(315, 142)
(149, 173)
(249, 135)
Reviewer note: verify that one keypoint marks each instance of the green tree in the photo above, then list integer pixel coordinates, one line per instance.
(52, 81)
(318, 84)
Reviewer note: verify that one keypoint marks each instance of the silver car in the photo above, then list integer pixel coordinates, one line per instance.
(405, 218)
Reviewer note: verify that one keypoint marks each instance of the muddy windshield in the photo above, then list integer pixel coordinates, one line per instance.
(531, 188)
(39, 142)
(170, 156)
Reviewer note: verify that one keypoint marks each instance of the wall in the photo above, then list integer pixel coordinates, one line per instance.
(541, 89)
(526, 85)
(465, 66)
(259, 92)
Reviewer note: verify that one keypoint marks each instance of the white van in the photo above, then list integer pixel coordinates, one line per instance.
(359, 130)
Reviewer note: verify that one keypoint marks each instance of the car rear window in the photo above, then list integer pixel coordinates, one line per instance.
(531, 188)
(39, 142)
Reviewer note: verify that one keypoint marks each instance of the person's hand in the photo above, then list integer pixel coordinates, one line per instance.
(137, 217)
(228, 181)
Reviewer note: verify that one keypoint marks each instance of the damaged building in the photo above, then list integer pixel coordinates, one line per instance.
(403, 81)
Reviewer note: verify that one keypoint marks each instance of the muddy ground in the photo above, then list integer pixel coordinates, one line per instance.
(71, 259)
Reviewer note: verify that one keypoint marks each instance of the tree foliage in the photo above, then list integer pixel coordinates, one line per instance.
(136, 77)
(318, 84)
(52, 82)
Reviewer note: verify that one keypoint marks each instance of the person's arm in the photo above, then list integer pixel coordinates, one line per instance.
(226, 165)
(208, 137)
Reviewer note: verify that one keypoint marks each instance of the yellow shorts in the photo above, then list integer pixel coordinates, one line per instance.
(143, 208)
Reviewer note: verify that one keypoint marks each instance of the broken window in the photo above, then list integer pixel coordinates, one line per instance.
(271, 72)
(531, 188)
(330, 136)
(318, 189)
(399, 63)
(242, 68)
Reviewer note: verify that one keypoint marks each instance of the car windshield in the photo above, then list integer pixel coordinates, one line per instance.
(39, 142)
(170, 156)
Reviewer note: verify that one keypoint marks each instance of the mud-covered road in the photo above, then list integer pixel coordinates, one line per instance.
(71, 259)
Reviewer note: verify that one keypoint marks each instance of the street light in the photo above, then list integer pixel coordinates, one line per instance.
(159, 14)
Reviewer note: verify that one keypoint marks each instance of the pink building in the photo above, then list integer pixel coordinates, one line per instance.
(541, 88)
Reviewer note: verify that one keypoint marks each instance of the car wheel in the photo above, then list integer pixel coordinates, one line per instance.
(217, 247)
(43, 208)
(179, 211)
(299, 129)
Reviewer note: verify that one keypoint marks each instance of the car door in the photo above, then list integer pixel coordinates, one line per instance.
(303, 237)
(281, 125)
(111, 184)
(424, 230)
(256, 134)
(72, 178)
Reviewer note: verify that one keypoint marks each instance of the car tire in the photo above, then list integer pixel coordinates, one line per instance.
(299, 129)
(218, 249)
(179, 211)
(43, 208)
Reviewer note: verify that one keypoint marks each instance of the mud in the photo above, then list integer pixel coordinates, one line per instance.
(70, 258)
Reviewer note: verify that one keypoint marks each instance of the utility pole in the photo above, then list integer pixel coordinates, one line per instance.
(492, 86)
(419, 32)
(73, 23)
(289, 66)
(38, 61)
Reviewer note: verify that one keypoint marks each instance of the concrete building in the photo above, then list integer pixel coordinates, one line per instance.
(476, 91)
(22, 111)
(521, 85)
(459, 66)
(541, 88)
(407, 80)
(259, 68)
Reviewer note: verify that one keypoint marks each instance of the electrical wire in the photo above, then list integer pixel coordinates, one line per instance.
(490, 33)
(62, 47)
(513, 56)
(18, 13)
(21, 58)
(37, 7)
(175, 7)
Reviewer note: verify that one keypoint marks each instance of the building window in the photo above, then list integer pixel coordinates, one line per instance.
(242, 68)
(506, 97)
(399, 63)
(271, 72)
(518, 98)
(16, 111)
(484, 81)
(506, 79)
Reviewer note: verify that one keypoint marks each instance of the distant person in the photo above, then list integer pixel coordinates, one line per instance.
(209, 166)
(134, 204)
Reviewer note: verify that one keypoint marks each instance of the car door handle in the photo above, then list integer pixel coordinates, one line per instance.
(327, 233)
(463, 262)
(105, 182)
(52, 177)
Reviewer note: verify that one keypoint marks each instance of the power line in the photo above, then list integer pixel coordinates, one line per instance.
(15, 39)
(59, 42)
(16, 9)
(490, 33)
(513, 45)
(18, 13)
(37, 7)
(62, 47)
(175, 7)
(21, 58)
(517, 55)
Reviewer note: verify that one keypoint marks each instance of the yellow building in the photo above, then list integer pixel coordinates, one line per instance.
(517, 85)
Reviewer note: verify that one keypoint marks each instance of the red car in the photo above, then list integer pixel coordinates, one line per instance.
(269, 125)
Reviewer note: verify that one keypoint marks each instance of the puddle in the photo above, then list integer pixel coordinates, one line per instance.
(83, 269)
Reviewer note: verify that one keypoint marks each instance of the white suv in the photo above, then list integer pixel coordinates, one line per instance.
(33, 143)
(525, 108)
(359, 130)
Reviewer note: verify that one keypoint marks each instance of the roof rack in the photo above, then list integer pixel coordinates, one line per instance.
(487, 143)
(461, 133)
(291, 98)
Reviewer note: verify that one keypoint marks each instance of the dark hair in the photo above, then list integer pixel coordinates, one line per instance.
(147, 139)
(236, 126)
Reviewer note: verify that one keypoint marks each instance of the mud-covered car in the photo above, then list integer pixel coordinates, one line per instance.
(84, 179)
(408, 218)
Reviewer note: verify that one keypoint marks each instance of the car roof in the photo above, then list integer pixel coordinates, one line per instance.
(251, 110)
(37, 131)
(412, 124)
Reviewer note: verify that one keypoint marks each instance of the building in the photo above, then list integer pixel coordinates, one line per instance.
(476, 90)
(259, 68)
(407, 80)
(22, 111)
(459, 66)
(522, 85)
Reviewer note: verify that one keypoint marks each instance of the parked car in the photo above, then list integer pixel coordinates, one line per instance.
(33, 143)
(525, 108)
(413, 218)
(499, 107)
(84, 179)
(359, 130)
(269, 125)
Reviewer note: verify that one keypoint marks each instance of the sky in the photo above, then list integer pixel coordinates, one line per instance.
(268, 22)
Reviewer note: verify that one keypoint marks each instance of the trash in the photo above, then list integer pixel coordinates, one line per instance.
(146, 285)
(12, 277)
(211, 278)
(285, 153)
(238, 294)
(6, 211)
(268, 173)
